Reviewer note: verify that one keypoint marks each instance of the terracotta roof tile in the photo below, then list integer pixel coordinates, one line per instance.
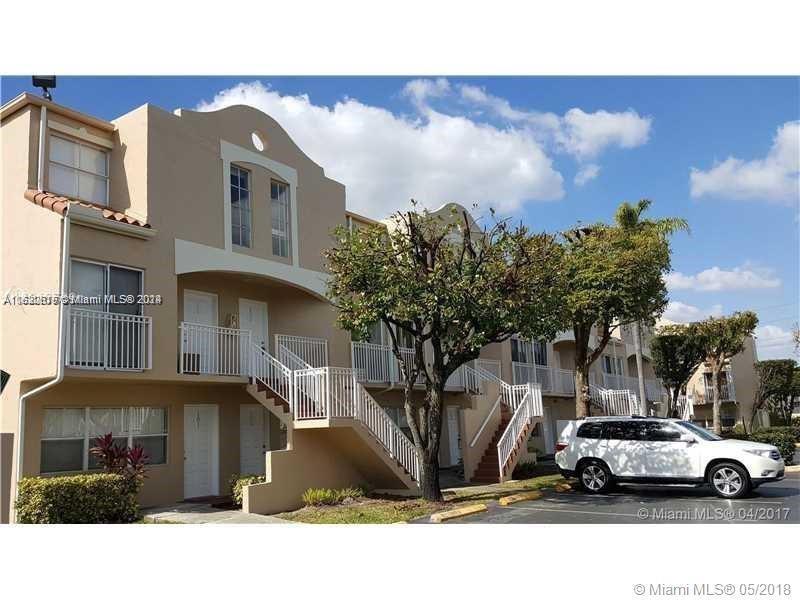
(59, 204)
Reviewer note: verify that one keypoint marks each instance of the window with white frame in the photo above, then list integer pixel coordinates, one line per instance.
(279, 195)
(78, 170)
(240, 206)
(69, 433)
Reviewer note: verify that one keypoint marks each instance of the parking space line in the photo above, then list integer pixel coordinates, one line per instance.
(577, 512)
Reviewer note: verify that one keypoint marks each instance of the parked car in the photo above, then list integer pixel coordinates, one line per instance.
(601, 451)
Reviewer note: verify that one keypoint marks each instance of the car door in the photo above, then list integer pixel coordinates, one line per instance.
(667, 455)
(623, 447)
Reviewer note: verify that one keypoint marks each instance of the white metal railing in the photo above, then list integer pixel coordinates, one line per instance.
(211, 350)
(654, 390)
(386, 431)
(396, 369)
(312, 351)
(271, 372)
(492, 366)
(291, 360)
(334, 392)
(685, 408)
(727, 391)
(529, 407)
(372, 361)
(324, 392)
(614, 382)
(110, 341)
(552, 380)
(614, 402)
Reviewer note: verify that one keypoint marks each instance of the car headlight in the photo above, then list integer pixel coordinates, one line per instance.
(767, 453)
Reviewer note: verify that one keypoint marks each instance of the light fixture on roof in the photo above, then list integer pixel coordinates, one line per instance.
(47, 83)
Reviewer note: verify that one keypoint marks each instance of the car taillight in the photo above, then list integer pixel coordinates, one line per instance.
(561, 446)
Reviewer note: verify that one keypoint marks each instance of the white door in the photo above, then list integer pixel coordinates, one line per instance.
(200, 344)
(200, 450)
(453, 435)
(253, 317)
(547, 428)
(253, 439)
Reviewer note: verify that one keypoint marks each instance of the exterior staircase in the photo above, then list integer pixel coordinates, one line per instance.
(307, 397)
(518, 406)
(487, 471)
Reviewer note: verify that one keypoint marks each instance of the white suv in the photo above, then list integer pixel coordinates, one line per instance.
(602, 450)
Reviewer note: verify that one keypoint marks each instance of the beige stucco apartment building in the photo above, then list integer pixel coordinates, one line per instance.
(202, 332)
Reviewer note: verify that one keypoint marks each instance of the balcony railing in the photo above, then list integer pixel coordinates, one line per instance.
(552, 380)
(312, 351)
(210, 350)
(376, 363)
(654, 391)
(109, 341)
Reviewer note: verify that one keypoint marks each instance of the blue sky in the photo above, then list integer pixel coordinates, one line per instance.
(519, 143)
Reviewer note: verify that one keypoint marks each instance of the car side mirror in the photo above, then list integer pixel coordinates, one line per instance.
(689, 439)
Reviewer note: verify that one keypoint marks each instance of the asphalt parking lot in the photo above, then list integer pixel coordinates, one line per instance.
(777, 502)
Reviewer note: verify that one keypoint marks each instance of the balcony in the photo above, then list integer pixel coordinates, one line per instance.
(552, 380)
(653, 388)
(106, 341)
(376, 364)
(210, 350)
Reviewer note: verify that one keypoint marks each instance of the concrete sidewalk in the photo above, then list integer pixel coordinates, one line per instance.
(191, 513)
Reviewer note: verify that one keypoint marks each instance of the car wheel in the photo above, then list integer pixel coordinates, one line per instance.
(729, 480)
(594, 477)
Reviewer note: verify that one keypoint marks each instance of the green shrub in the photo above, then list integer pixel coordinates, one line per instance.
(783, 438)
(92, 498)
(524, 470)
(320, 496)
(237, 483)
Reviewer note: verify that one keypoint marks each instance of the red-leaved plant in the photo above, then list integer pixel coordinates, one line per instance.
(113, 458)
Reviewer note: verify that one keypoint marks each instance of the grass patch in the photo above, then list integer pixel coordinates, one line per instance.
(370, 510)
(391, 510)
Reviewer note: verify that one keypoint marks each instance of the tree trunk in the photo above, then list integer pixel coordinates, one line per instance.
(429, 479)
(716, 384)
(429, 454)
(582, 402)
(637, 344)
(672, 411)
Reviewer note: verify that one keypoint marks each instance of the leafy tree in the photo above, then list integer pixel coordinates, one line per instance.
(722, 339)
(614, 277)
(781, 403)
(452, 288)
(775, 383)
(676, 353)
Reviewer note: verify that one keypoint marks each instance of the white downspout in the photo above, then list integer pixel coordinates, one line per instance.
(42, 135)
(64, 285)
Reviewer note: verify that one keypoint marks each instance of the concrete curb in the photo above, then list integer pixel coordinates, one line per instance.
(506, 500)
(447, 515)
(792, 469)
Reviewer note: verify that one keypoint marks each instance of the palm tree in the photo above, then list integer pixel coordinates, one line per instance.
(629, 217)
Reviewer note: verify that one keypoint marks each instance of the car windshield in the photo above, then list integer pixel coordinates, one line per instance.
(699, 431)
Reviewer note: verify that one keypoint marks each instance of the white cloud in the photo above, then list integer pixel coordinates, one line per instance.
(774, 342)
(775, 177)
(746, 277)
(681, 312)
(385, 159)
(586, 174)
(581, 134)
